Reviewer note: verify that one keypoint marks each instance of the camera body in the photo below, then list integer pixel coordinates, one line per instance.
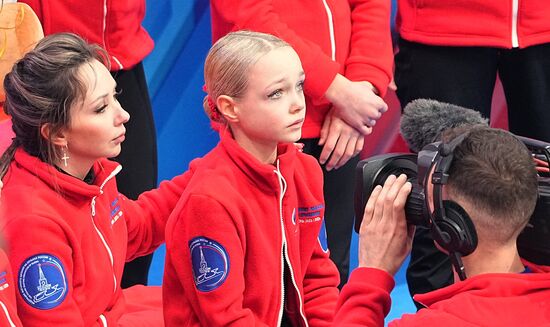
(374, 171)
(533, 242)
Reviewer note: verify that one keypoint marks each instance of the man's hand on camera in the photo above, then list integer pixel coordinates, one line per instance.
(385, 240)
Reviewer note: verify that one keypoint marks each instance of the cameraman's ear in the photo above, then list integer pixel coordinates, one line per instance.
(228, 107)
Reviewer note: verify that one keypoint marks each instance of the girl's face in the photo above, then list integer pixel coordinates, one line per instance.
(96, 129)
(272, 109)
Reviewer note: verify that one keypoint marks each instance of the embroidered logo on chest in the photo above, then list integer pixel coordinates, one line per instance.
(42, 281)
(3, 281)
(210, 263)
(116, 213)
(310, 214)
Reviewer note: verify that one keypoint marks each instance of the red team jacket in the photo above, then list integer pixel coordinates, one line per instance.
(489, 23)
(68, 241)
(113, 24)
(350, 37)
(8, 308)
(484, 300)
(237, 225)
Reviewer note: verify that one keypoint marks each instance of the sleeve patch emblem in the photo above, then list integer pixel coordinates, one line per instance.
(42, 281)
(210, 263)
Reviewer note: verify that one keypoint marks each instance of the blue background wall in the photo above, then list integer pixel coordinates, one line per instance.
(181, 30)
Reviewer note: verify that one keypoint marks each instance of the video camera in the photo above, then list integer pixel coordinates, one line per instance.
(533, 242)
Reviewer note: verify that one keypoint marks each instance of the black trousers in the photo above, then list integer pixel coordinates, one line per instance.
(466, 76)
(138, 156)
(338, 190)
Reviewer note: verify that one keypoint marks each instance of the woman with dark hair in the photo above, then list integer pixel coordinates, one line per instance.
(118, 27)
(68, 229)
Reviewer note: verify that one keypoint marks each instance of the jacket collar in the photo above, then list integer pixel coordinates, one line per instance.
(66, 184)
(492, 284)
(260, 174)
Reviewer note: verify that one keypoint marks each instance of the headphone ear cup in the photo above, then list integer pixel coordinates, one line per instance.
(460, 228)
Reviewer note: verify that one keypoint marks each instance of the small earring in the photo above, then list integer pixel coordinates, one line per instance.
(65, 157)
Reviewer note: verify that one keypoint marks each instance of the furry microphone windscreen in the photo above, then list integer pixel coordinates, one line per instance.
(424, 120)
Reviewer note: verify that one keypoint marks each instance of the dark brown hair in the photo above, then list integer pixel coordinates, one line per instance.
(41, 88)
(494, 172)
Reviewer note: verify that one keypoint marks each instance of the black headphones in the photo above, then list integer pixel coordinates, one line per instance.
(451, 226)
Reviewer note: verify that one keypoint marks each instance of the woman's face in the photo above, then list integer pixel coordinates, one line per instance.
(96, 129)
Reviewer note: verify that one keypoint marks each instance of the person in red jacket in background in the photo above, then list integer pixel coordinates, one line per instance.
(116, 27)
(242, 244)
(452, 52)
(8, 306)
(492, 185)
(346, 51)
(68, 229)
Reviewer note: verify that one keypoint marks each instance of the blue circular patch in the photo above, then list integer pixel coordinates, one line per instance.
(42, 281)
(210, 263)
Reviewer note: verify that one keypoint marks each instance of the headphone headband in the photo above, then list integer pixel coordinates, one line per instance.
(451, 226)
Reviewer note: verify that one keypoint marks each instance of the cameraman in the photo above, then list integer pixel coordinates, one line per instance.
(492, 176)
